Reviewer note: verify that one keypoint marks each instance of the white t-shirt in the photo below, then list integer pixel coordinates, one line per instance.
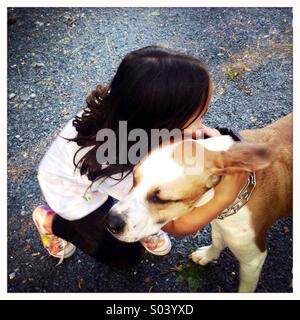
(65, 190)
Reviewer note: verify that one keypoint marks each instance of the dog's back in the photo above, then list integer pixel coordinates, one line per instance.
(280, 131)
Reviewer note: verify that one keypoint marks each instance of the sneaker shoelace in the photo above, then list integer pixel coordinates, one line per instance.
(63, 253)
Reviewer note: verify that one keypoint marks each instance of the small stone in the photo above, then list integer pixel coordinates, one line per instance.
(69, 20)
(22, 213)
(233, 273)
(65, 112)
(17, 136)
(25, 155)
(12, 275)
(134, 272)
(13, 66)
(25, 98)
(35, 254)
(37, 65)
(39, 23)
(154, 14)
(11, 96)
(29, 106)
(33, 95)
(80, 283)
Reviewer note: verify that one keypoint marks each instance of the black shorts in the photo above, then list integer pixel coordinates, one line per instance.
(91, 236)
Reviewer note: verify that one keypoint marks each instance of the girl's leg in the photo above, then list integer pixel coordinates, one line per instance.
(56, 247)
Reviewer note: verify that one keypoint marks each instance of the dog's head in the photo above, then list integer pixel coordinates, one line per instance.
(172, 180)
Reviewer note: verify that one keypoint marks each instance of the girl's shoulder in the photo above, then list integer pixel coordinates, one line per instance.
(59, 156)
(58, 164)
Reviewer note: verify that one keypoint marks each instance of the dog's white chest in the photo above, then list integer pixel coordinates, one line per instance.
(236, 230)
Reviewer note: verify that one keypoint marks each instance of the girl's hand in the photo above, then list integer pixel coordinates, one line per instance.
(200, 131)
(228, 189)
(211, 132)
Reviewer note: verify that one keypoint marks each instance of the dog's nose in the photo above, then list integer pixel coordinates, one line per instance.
(115, 223)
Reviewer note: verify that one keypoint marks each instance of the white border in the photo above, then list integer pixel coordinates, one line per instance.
(3, 176)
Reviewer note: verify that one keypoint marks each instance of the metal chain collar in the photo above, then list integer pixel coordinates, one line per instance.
(242, 198)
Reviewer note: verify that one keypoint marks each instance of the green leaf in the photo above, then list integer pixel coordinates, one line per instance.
(193, 274)
(179, 279)
(194, 284)
(231, 74)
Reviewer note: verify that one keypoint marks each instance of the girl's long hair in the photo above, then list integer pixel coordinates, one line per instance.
(153, 88)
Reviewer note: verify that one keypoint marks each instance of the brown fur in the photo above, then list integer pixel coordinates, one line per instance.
(272, 197)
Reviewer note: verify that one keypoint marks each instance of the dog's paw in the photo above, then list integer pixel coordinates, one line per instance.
(204, 255)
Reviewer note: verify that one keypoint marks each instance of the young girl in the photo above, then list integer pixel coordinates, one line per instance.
(154, 87)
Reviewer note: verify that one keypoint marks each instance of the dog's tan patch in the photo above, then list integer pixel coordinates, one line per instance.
(272, 198)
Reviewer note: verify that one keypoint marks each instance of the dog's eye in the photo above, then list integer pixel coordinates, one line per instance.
(156, 199)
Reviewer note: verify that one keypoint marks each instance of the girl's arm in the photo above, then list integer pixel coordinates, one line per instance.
(225, 194)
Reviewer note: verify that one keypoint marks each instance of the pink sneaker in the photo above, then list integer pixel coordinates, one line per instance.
(56, 247)
(159, 244)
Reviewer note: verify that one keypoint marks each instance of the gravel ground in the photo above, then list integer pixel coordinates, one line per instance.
(56, 56)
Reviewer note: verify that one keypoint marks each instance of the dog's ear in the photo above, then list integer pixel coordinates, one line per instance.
(246, 156)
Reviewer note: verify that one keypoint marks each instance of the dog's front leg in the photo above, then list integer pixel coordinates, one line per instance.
(207, 254)
(250, 269)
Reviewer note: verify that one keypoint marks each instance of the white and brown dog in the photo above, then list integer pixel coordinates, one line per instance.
(163, 191)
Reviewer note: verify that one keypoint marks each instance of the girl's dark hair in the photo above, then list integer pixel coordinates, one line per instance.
(154, 87)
